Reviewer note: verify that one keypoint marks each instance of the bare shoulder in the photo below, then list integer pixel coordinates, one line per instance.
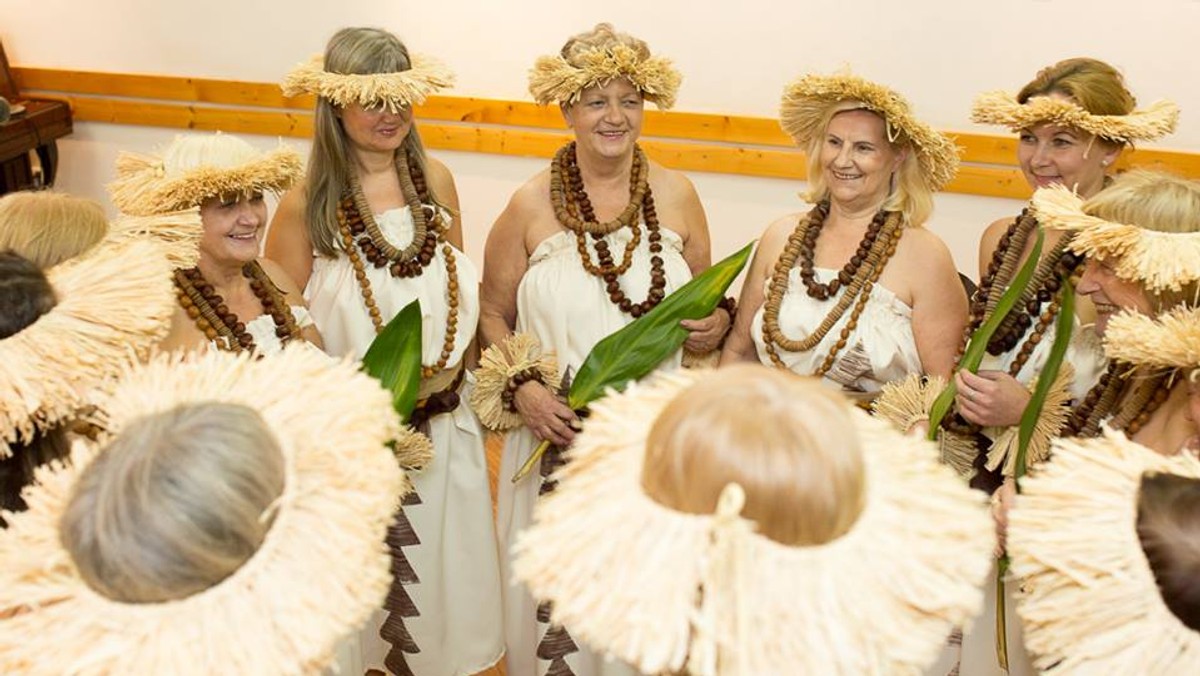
(922, 250)
(438, 174)
(292, 205)
(281, 279)
(531, 199)
(775, 237)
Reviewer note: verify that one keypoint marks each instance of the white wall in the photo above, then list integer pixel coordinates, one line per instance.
(735, 56)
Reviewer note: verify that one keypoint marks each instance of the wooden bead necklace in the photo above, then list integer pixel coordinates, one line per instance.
(574, 211)
(219, 324)
(858, 289)
(1133, 398)
(355, 218)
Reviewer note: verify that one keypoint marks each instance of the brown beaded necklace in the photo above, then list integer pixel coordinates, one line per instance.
(879, 245)
(219, 324)
(574, 211)
(1142, 396)
(355, 220)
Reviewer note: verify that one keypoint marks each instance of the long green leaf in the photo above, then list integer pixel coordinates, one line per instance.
(395, 358)
(1062, 338)
(635, 350)
(977, 345)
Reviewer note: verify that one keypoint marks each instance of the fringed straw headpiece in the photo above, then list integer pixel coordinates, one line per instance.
(1157, 260)
(195, 168)
(392, 90)
(1002, 108)
(807, 102)
(553, 79)
(1171, 340)
(664, 590)
(319, 572)
(109, 313)
(1090, 603)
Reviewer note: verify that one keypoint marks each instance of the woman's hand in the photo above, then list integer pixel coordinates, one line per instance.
(1002, 501)
(705, 335)
(990, 398)
(548, 418)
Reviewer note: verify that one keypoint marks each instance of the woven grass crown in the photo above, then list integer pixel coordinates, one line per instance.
(553, 79)
(1002, 108)
(392, 90)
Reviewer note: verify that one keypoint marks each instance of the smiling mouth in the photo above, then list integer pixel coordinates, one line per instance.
(1106, 308)
(845, 177)
(248, 237)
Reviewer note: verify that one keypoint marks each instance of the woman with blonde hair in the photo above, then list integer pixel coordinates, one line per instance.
(49, 227)
(231, 299)
(228, 519)
(855, 291)
(582, 249)
(375, 226)
(791, 533)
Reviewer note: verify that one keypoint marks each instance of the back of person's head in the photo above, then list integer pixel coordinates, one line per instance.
(176, 503)
(1169, 528)
(788, 441)
(25, 293)
(49, 227)
(1094, 85)
(1156, 201)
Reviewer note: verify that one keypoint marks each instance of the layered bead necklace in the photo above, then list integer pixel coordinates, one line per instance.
(362, 238)
(219, 324)
(574, 211)
(1143, 396)
(857, 277)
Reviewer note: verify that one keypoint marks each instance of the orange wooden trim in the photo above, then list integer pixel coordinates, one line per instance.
(751, 146)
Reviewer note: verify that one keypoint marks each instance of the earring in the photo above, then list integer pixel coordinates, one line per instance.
(1104, 163)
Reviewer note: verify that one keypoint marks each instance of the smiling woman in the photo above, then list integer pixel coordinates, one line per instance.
(231, 300)
(855, 291)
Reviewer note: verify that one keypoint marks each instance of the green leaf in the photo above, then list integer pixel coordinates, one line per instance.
(395, 358)
(1058, 351)
(637, 349)
(977, 345)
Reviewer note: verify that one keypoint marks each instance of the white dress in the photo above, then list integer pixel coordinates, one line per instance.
(458, 630)
(879, 350)
(569, 311)
(262, 330)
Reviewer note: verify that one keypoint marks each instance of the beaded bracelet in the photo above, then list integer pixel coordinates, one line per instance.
(509, 395)
(729, 304)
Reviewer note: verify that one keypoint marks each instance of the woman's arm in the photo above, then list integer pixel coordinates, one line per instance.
(288, 243)
(739, 346)
(939, 302)
(441, 182)
(704, 334)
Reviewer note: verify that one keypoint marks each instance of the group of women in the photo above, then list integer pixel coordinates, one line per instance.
(736, 522)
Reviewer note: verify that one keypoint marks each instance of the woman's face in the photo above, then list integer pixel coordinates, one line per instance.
(607, 120)
(1109, 293)
(376, 129)
(1054, 154)
(857, 160)
(232, 228)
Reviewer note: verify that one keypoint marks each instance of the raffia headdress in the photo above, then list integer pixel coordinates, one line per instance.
(553, 79)
(392, 90)
(109, 312)
(807, 101)
(1002, 108)
(1157, 260)
(318, 574)
(1090, 603)
(1171, 340)
(662, 589)
(195, 168)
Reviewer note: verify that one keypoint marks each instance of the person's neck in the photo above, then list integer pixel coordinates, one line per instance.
(859, 213)
(375, 163)
(225, 277)
(603, 172)
(1168, 427)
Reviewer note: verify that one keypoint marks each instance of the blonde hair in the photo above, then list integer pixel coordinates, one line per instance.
(603, 36)
(1156, 201)
(1096, 86)
(49, 227)
(911, 194)
(1168, 526)
(360, 51)
(175, 504)
(788, 441)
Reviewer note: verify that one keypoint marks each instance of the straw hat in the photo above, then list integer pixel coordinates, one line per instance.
(553, 79)
(1002, 108)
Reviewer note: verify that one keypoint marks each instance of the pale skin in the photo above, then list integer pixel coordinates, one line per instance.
(232, 230)
(858, 161)
(606, 122)
(1048, 154)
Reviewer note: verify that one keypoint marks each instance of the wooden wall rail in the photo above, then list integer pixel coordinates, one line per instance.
(748, 146)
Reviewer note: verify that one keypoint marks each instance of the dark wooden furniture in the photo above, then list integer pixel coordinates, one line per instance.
(35, 129)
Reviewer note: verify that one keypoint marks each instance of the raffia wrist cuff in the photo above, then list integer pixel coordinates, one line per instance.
(500, 364)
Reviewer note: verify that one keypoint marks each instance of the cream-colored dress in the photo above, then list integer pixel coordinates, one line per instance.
(458, 594)
(879, 350)
(262, 330)
(569, 311)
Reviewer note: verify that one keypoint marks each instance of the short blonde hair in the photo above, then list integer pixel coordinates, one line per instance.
(789, 442)
(50, 227)
(603, 36)
(175, 504)
(911, 194)
(1157, 201)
